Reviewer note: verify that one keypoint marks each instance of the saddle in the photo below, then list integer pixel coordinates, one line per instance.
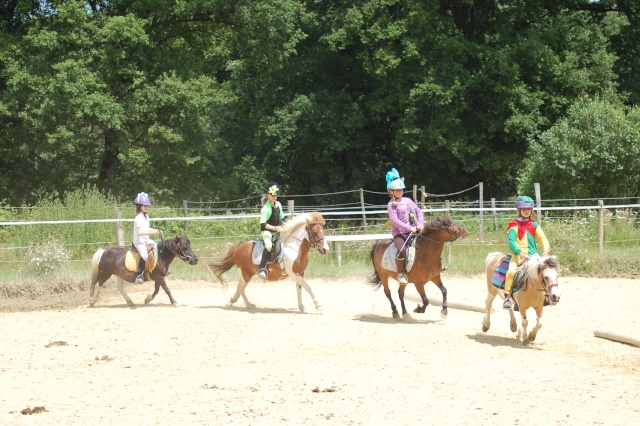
(275, 257)
(389, 256)
(133, 258)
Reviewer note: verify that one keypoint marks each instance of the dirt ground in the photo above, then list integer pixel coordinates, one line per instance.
(205, 362)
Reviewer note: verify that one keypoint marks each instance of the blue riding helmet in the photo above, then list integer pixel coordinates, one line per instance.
(394, 181)
(272, 188)
(142, 199)
(524, 202)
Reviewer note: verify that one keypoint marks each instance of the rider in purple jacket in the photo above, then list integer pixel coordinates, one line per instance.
(406, 218)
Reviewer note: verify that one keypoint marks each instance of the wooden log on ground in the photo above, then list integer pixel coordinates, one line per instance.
(453, 305)
(623, 338)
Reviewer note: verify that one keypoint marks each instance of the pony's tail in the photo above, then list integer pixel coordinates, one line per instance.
(219, 267)
(95, 270)
(374, 278)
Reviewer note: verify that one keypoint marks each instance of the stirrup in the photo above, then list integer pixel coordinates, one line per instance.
(140, 279)
(262, 273)
(402, 279)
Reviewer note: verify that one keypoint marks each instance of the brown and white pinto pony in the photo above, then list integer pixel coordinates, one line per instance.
(297, 237)
(540, 281)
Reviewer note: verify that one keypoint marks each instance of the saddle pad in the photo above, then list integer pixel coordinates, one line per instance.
(500, 273)
(389, 258)
(258, 248)
(132, 259)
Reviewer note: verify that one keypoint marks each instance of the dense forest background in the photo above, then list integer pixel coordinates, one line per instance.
(210, 99)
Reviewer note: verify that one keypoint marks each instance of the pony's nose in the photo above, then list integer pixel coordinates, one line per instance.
(555, 298)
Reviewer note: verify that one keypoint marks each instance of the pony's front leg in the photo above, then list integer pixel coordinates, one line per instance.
(425, 302)
(301, 283)
(123, 293)
(538, 326)
(522, 331)
(165, 287)
(445, 305)
(242, 284)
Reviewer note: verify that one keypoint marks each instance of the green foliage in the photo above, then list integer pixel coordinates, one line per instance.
(594, 151)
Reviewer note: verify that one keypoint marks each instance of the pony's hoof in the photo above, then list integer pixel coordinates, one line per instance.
(397, 316)
(485, 328)
(175, 304)
(147, 300)
(514, 327)
(444, 313)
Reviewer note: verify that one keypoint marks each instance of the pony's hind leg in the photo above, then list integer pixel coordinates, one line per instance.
(488, 303)
(160, 282)
(242, 285)
(123, 293)
(94, 292)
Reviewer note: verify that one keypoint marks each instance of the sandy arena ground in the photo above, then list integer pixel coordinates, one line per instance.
(204, 362)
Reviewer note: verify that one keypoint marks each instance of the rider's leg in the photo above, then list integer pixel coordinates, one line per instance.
(268, 245)
(508, 282)
(144, 255)
(399, 241)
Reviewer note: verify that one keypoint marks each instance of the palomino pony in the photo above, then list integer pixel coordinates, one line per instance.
(539, 286)
(111, 261)
(298, 236)
(427, 265)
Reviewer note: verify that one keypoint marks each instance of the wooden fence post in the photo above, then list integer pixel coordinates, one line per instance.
(290, 207)
(364, 213)
(538, 202)
(601, 226)
(495, 214)
(118, 226)
(185, 209)
(423, 197)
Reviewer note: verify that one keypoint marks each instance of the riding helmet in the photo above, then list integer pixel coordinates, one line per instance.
(272, 188)
(394, 181)
(524, 202)
(142, 199)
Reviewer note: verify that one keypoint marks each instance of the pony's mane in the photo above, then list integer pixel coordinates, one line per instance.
(301, 220)
(534, 263)
(437, 224)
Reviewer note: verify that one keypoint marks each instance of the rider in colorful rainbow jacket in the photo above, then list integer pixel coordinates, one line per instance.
(271, 216)
(522, 235)
(402, 212)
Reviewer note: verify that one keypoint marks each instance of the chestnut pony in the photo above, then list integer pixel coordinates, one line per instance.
(427, 265)
(107, 262)
(297, 237)
(539, 287)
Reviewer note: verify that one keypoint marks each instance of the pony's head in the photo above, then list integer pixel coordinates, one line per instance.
(546, 268)
(314, 226)
(181, 247)
(454, 230)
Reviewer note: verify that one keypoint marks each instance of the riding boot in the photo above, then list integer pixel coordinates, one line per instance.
(262, 272)
(140, 277)
(402, 277)
(507, 302)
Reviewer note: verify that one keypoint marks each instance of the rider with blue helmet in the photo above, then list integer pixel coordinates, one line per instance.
(522, 235)
(406, 218)
(141, 231)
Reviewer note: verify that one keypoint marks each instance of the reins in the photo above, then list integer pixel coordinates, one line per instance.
(164, 245)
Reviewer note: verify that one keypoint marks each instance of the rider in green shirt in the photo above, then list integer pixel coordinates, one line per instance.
(271, 216)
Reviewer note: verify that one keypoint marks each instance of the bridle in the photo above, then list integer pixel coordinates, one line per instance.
(312, 238)
(182, 256)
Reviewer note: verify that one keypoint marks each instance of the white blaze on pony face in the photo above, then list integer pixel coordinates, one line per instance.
(550, 278)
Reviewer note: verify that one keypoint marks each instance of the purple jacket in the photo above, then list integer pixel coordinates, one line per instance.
(399, 215)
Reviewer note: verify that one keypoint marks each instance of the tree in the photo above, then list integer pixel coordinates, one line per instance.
(595, 150)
